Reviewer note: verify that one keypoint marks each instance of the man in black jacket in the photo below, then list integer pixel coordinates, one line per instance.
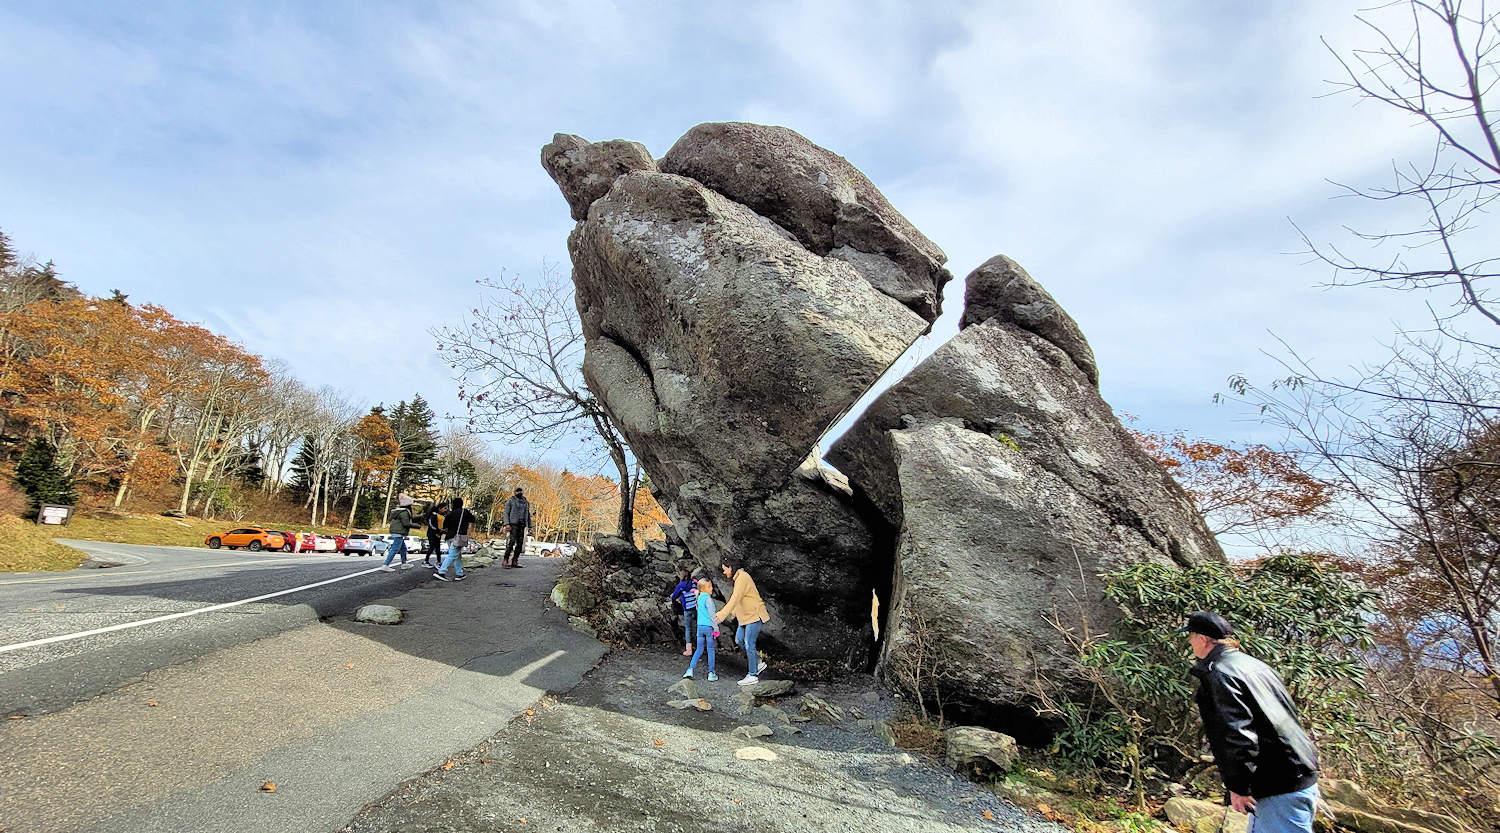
(1269, 764)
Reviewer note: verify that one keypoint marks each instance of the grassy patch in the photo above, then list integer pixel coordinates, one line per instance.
(26, 548)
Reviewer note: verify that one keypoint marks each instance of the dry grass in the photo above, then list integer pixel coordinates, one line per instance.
(26, 548)
(916, 734)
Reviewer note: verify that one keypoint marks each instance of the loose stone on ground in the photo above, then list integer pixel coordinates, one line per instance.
(379, 615)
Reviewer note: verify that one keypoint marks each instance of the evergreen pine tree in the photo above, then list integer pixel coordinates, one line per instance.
(38, 475)
(413, 424)
(302, 468)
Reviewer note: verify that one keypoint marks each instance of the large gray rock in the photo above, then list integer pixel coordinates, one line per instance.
(993, 548)
(585, 170)
(999, 379)
(825, 202)
(722, 348)
(1014, 487)
(1001, 290)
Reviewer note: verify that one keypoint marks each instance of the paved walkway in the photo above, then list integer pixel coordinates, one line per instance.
(335, 713)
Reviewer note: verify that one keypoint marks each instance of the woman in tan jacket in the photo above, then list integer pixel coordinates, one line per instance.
(746, 606)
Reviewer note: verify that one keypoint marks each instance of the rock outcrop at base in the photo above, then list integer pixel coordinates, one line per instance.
(1015, 487)
(723, 342)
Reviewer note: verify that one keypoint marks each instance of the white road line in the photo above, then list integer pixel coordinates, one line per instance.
(116, 572)
(153, 620)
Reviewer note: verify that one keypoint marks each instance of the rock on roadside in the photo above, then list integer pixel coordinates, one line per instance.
(379, 615)
(972, 748)
(1205, 816)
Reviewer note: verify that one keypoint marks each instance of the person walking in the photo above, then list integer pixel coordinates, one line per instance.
(517, 522)
(401, 523)
(434, 554)
(1268, 762)
(456, 535)
(747, 607)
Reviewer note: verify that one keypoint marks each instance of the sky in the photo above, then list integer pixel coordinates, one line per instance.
(326, 181)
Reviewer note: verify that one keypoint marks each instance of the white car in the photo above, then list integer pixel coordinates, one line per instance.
(535, 547)
(416, 545)
(325, 543)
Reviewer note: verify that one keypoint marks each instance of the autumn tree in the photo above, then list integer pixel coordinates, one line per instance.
(376, 454)
(519, 357)
(1248, 493)
(1403, 436)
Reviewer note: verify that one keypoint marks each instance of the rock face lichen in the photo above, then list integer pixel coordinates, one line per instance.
(739, 295)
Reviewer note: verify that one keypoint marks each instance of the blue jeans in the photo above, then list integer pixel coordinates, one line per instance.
(705, 638)
(744, 636)
(689, 626)
(455, 559)
(1285, 813)
(397, 545)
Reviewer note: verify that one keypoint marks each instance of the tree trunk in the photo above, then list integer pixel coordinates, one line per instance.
(359, 485)
(626, 525)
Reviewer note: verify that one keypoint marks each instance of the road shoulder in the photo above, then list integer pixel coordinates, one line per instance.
(335, 713)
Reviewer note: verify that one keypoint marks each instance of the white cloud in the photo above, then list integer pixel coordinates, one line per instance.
(354, 162)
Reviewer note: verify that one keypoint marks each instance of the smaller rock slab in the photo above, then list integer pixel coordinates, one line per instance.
(971, 748)
(695, 703)
(752, 732)
(1204, 816)
(379, 615)
(754, 753)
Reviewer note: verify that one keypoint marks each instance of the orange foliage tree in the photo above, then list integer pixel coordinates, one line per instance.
(1250, 493)
(375, 457)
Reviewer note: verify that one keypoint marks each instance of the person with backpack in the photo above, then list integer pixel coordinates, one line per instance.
(1268, 762)
(456, 535)
(401, 522)
(517, 522)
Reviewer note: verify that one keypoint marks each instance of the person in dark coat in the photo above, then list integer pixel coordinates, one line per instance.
(456, 535)
(434, 554)
(517, 523)
(1268, 762)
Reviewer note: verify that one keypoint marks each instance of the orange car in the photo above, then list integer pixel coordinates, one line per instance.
(251, 538)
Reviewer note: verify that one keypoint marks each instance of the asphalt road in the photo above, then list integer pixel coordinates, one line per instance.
(152, 582)
(334, 712)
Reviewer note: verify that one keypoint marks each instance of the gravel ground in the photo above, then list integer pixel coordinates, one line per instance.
(612, 755)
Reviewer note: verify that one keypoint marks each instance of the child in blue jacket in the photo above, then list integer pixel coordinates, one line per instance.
(708, 632)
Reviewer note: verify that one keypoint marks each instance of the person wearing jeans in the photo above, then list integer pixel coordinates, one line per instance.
(745, 605)
(707, 631)
(456, 531)
(401, 522)
(1267, 760)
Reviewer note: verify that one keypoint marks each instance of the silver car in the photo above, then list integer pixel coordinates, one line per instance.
(361, 544)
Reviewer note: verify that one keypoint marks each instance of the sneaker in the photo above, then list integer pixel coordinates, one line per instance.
(403, 566)
(439, 576)
(712, 677)
(761, 671)
(387, 569)
(750, 680)
(517, 565)
(688, 674)
(458, 578)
